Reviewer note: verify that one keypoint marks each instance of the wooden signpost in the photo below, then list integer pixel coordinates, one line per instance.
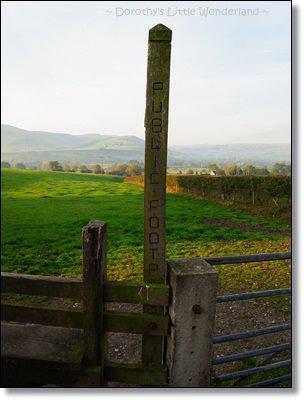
(156, 126)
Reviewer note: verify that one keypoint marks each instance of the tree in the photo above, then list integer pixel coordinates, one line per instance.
(133, 162)
(84, 169)
(233, 170)
(134, 168)
(45, 165)
(263, 171)
(5, 164)
(119, 169)
(220, 172)
(54, 166)
(189, 172)
(214, 166)
(96, 169)
(74, 168)
(250, 170)
(280, 168)
(20, 166)
(66, 167)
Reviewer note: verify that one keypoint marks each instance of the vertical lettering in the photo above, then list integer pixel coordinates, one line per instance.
(157, 86)
(156, 124)
(158, 109)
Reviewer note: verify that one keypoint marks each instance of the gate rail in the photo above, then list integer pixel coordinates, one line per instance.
(238, 376)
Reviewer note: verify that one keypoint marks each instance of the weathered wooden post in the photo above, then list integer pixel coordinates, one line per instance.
(94, 236)
(156, 125)
(192, 311)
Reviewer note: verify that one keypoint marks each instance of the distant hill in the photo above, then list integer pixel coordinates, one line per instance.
(237, 153)
(15, 139)
(20, 145)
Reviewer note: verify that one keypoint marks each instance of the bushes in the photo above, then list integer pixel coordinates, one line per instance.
(54, 166)
(262, 190)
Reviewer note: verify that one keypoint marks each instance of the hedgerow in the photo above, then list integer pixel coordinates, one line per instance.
(253, 189)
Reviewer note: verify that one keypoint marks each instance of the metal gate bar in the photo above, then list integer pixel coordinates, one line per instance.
(249, 354)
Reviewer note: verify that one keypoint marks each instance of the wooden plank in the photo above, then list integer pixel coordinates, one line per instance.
(149, 293)
(152, 375)
(116, 292)
(38, 285)
(154, 325)
(156, 126)
(29, 373)
(94, 236)
(38, 314)
(43, 346)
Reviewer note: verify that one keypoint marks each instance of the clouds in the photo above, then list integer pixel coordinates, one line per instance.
(76, 68)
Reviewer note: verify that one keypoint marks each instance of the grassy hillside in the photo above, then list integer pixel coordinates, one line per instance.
(44, 212)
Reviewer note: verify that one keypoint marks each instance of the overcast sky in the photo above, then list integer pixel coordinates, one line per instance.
(80, 67)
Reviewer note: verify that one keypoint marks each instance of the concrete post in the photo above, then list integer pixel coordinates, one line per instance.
(192, 311)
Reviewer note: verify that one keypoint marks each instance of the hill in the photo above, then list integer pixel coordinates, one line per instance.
(20, 140)
(20, 145)
(251, 153)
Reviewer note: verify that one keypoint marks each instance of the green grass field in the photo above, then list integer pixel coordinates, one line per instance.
(43, 214)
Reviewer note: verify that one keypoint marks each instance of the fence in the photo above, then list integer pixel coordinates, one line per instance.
(70, 317)
(92, 318)
(237, 377)
(192, 284)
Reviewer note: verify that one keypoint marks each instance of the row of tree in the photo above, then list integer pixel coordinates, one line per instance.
(5, 164)
(233, 170)
(131, 169)
(136, 168)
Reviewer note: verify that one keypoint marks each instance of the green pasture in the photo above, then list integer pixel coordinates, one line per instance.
(43, 214)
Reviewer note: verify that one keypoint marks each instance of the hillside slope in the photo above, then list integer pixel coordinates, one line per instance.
(15, 139)
(20, 145)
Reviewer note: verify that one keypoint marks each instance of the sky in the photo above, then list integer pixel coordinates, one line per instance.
(80, 67)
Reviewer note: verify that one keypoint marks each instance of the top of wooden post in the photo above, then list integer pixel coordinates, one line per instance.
(160, 33)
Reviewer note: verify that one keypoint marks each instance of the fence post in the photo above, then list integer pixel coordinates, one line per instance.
(192, 311)
(156, 128)
(94, 265)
